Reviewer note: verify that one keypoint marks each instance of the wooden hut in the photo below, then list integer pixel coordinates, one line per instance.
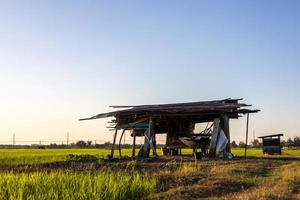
(271, 144)
(177, 121)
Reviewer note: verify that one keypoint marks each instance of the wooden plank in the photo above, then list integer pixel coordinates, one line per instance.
(274, 135)
(180, 104)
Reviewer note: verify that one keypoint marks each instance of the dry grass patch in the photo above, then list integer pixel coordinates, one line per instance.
(239, 179)
(284, 184)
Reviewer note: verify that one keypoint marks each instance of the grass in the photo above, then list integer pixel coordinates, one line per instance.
(258, 177)
(66, 185)
(34, 156)
(282, 183)
(239, 179)
(253, 152)
(258, 152)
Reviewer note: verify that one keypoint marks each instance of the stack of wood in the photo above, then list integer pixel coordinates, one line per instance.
(201, 109)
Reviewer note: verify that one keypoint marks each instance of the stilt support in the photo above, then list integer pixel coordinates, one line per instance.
(148, 141)
(225, 128)
(120, 152)
(214, 138)
(113, 144)
(133, 145)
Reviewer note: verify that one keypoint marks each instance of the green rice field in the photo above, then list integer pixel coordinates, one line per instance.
(67, 185)
(49, 174)
(33, 156)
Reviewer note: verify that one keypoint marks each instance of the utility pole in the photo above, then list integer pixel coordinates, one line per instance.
(67, 138)
(247, 129)
(14, 140)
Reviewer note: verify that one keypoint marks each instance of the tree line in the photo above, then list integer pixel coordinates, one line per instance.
(289, 143)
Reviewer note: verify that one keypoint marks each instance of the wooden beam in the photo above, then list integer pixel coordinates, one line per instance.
(113, 145)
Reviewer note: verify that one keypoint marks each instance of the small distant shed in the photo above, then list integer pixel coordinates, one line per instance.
(271, 144)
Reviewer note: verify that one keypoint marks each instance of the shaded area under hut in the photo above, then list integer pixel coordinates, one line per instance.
(178, 121)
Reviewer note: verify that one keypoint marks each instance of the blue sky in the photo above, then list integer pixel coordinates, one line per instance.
(64, 60)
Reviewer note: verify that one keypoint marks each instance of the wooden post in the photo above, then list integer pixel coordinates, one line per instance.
(133, 145)
(214, 138)
(113, 145)
(225, 128)
(168, 133)
(147, 140)
(120, 153)
(247, 128)
(154, 144)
